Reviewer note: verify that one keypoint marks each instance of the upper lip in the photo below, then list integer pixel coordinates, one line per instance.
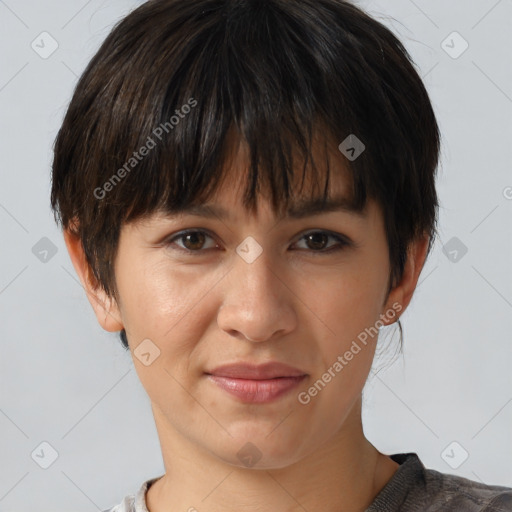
(269, 370)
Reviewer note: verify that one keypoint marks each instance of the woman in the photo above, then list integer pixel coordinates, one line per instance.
(247, 193)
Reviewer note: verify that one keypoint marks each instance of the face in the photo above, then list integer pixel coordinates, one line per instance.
(309, 292)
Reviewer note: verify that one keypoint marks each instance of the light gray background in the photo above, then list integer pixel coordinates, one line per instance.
(67, 382)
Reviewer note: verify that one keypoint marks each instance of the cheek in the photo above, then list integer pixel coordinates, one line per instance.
(172, 308)
(348, 305)
(166, 303)
(348, 308)
(349, 299)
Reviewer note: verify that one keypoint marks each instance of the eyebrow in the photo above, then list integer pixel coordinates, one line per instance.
(298, 210)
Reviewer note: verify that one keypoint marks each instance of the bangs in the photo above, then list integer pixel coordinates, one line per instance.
(213, 86)
(282, 171)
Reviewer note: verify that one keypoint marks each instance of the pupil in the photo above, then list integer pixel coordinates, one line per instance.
(191, 236)
(317, 244)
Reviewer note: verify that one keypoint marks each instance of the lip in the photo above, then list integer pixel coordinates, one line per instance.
(258, 391)
(269, 370)
(257, 383)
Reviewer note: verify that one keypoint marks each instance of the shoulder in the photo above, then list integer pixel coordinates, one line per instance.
(127, 505)
(459, 493)
(135, 502)
(414, 487)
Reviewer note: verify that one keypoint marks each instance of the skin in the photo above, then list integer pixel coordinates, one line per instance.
(297, 306)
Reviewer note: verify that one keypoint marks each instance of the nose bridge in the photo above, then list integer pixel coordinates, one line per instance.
(255, 301)
(254, 273)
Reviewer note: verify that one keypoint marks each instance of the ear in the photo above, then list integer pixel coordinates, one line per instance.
(105, 307)
(402, 293)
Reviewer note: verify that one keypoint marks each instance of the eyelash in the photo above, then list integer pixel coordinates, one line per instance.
(342, 242)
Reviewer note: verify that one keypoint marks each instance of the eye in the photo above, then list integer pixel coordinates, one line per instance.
(317, 241)
(193, 240)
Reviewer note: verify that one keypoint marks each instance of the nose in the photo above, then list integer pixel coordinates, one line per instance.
(258, 303)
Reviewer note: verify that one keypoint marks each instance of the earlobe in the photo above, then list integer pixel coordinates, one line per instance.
(105, 307)
(400, 296)
(107, 312)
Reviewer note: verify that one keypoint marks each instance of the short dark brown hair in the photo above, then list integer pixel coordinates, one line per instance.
(186, 73)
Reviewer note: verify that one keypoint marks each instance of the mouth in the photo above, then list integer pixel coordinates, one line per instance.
(257, 390)
(257, 383)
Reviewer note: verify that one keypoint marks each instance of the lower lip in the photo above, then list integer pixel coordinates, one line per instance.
(257, 391)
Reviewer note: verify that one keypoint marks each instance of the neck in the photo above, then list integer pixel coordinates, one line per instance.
(345, 473)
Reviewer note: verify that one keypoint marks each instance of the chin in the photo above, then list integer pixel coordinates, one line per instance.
(262, 447)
